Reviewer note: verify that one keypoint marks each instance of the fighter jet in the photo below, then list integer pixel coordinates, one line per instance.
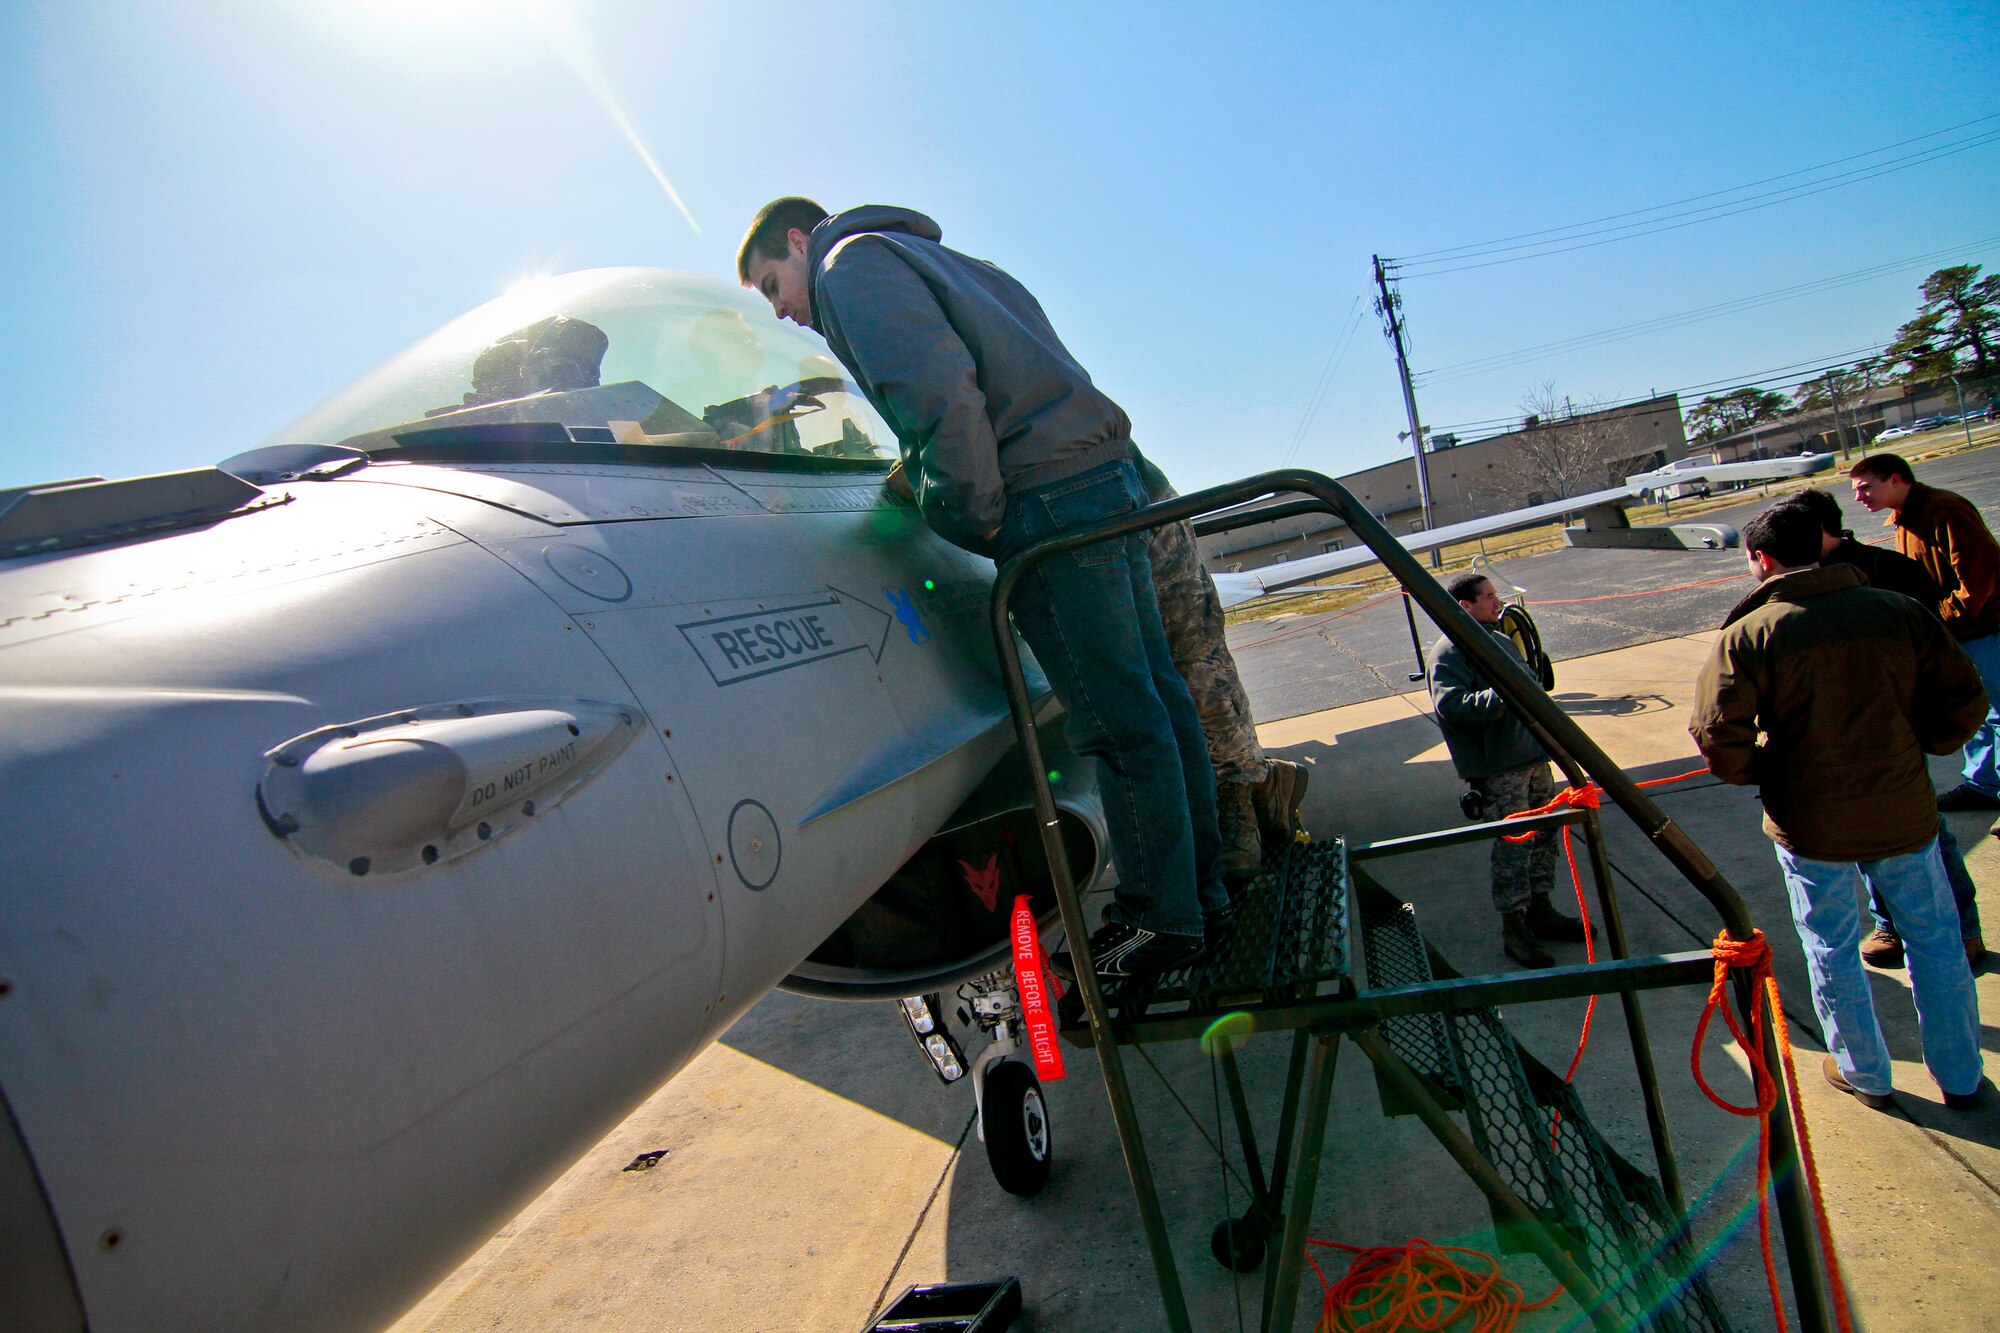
(394, 806)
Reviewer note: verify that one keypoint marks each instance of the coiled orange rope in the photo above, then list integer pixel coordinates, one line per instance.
(1755, 955)
(1417, 1286)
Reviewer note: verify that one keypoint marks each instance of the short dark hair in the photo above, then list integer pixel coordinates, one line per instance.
(1787, 532)
(1884, 467)
(1823, 507)
(1465, 588)
(774, 221)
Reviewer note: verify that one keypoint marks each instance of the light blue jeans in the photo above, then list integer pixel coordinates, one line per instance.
(1829, 920)
(1982, 752)
(1963, 891)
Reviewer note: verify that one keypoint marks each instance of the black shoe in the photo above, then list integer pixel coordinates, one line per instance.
(1124, 953)
(1965, 1101)
(1218, 928)
(1549, 924)
(1965, 796)
(1521, 944)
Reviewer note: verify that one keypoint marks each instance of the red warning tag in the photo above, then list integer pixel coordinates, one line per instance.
(1040, 989)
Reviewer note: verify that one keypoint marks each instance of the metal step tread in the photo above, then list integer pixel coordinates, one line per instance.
(1290, 935)
(1398, 956)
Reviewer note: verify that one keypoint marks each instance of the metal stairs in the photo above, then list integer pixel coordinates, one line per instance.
(1531, 1126)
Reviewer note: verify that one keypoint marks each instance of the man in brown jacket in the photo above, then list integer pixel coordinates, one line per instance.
(1943, 532)
(1851, 687)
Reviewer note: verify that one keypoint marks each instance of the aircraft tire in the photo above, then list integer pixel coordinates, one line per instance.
(1019, 1144)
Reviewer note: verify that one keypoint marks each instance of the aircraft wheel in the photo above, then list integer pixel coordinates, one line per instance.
(1019, 1146)
(1238, 1242)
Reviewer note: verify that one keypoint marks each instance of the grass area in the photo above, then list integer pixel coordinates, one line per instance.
(1371, 581)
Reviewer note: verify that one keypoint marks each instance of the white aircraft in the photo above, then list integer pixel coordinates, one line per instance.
(1245, 585)
(392, 808)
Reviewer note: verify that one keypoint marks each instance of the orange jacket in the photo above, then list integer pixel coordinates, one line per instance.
(1943, 532)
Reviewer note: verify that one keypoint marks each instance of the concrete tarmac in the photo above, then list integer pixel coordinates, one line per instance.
(813, 1166)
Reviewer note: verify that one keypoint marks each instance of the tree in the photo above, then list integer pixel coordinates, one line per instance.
(1956, 331)
(1827, 401)
(1568, 448)
(1722, 414)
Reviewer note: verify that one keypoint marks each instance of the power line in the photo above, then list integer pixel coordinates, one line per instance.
(1454, 251)
(1712, 213)
(1795, 373)
(1580, 342)
(1341, 343)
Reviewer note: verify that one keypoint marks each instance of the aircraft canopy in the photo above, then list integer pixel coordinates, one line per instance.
(616, 356)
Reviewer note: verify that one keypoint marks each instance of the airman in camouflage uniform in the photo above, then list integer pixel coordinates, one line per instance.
(1522, 871)
(1497, 755)
(1257, 797)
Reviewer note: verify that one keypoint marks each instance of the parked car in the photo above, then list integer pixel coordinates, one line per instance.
(1896, 433)
(1930, 422)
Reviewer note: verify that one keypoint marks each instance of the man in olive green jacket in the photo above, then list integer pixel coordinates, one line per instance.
(1851, 688)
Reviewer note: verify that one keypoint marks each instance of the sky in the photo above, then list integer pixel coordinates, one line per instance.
(214, 213)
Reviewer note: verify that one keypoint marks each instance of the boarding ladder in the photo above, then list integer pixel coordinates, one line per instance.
(1615, 1236)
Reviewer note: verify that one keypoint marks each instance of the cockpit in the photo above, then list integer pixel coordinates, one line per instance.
(617, 363)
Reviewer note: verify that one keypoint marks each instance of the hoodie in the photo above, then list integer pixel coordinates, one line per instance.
(963, 364)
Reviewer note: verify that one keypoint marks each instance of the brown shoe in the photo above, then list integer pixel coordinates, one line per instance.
(1520, 942)
(1883, 949)
(1277, 800)
(1242, 844)
(1879, 1101)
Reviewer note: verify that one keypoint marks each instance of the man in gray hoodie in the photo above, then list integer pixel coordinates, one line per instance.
(1005, 442)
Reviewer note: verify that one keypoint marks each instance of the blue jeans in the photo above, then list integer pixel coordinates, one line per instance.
(1091, 617)
(1823, 905)
(1962, 888)
(1982, 752)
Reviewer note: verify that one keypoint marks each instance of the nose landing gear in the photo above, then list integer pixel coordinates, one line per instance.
(1013, 1113)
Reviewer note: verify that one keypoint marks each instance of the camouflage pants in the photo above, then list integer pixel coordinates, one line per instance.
(1192, 614)
(1520, 869)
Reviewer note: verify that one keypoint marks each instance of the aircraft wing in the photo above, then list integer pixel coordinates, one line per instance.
(1247, 585)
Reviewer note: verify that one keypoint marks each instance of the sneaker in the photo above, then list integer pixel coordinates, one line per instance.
(1879, 1101)
(1125, 953)
(1549, 924)
(1975, 951)
(1277, 800)
(1520, 942)
(1242, 843)
(1965, 796)
(1885, 949)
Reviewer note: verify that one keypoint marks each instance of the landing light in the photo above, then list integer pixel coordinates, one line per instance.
(919, 1014)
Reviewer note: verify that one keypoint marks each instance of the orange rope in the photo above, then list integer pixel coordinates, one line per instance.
(1417, 1286)
(1755, 955)
(1584, 797)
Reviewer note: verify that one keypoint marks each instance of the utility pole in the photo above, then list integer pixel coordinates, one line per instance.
(1389, 306)
(1833, 394)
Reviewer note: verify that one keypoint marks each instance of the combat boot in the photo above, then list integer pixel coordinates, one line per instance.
(1550, 924)
(1242, 844)
(1277, 800)
(1520, 942)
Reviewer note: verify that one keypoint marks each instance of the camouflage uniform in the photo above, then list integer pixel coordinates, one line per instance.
(1192, 614)
(1521, 870)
